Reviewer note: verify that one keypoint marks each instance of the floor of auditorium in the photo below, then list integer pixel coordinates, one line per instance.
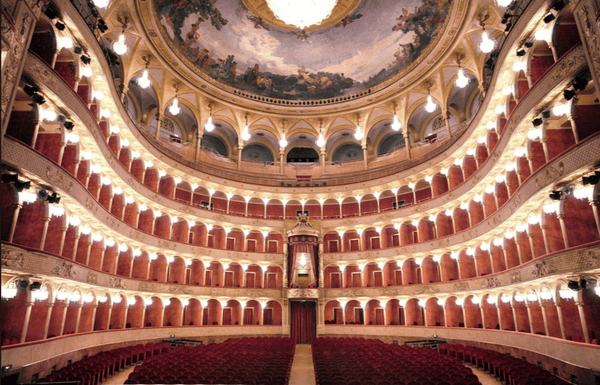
(302, 371)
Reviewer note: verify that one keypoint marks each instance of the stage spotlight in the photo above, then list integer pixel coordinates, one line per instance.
(546, 114)
(69, 125)
(61, 118)
(77, 50)
(521, 52)
(38, 99)
(101, 24)
(549, 18)
(10, 178)
(558, 5)
(30, 90)
(85, 59)
(537, 122)
(60, 25)
(20, 186)
(53, 198)
(569, 94)
(580, 84)
(592, 179)
(528, 44)
(555, 195)
(35, 286)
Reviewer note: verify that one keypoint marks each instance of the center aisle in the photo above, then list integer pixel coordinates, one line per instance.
(303, 371)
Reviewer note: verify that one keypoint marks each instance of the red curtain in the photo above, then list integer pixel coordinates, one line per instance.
(304, 319)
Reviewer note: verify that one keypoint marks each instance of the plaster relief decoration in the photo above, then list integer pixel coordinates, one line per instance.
(541, 269)
(92, 278)
(230, 42)
(490, 282)
(64, 270)
(303, 293)
(10, 259)
(117, 283)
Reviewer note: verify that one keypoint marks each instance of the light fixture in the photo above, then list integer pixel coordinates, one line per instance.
(396, 125)
(246, 131)
(144, 80)
(303, 261)
(119, 46)
(101, 3)
(209, 126)
(174, 108)
(98, 95)
(519, 66)
(461, 80)
(486, 45)
(321, 141)
(500, 110)
(283, 142)
(504, 3)
(301, 13)
(430, 106)
(48, 115)
(66, 42)
(86, 71)
(543, 34)
(508, 90)
(560, 109)
(358, 135)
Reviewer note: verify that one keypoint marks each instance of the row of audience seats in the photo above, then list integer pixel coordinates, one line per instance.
(360, 361)
(510, 370)
(248, 360)
(95, 369)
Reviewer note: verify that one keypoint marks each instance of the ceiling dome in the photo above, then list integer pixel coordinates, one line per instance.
(363, 47)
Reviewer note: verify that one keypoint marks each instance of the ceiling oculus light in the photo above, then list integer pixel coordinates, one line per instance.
(302, 13)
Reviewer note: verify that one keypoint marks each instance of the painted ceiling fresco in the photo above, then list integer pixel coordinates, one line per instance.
(378, 41)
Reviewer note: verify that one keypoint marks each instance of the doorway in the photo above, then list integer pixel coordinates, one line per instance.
(303, 326)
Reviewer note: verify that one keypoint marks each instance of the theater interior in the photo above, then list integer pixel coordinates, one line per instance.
(234, 191)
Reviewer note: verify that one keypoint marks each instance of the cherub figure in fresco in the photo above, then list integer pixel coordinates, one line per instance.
(349, 19)
(192, 36)
(258, 22)
(217, 20)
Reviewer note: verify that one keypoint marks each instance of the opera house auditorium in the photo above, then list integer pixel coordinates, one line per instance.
(236, 192)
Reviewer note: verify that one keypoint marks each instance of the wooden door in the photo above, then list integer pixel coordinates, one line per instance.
(356, 281)
(398, 274)
(354, 246)
(251, 245)
(338, 315)
(268, 316)
(250, 280)
(336, 280)
(249, 316)
(359, 316)
(208, 278)
(271, 281)
(228, 279)
(230, 244)
(333, 246)
(227, 316)
(378, 278)
(375, 243)
(272, 246)
(379, 316)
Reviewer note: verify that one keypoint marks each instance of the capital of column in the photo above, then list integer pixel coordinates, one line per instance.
(50, 304)
(560, 216)
(528, 305)
(595, 202)
(30, 303)
(579, 303)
